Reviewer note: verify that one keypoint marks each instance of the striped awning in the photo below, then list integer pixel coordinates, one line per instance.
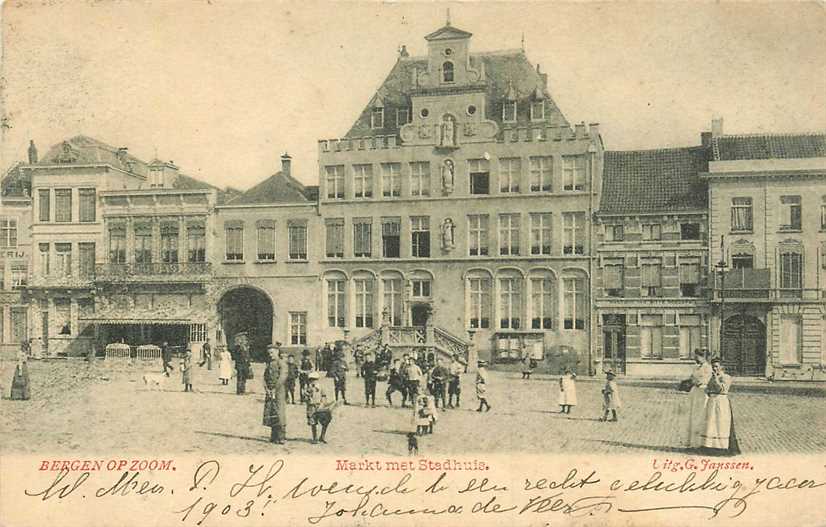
(144, 317)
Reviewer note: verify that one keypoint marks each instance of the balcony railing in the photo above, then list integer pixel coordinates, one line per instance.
(755, 284)
(158, 271)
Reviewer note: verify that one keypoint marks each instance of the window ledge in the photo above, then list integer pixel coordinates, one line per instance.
(297, 261)
(748, 231)
(266, 261)
(790, 365)
(789, 230)
(231, 262)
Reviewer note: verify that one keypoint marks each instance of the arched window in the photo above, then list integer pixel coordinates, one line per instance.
(364, 295)
(447, 72)
(392, 287)
(542, 305)
(574, 300)
(335, 284)
(509, 306)
(478, 285)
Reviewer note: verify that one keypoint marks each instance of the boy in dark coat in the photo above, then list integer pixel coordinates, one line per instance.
(292, 375)
(394, 382)
(339, 374)
(304, 371)
(438, 382)
(369, 371)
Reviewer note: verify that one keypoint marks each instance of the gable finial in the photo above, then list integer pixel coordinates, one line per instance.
(523, 41)
(447, 23)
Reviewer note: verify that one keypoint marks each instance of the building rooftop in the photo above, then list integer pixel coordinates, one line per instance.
(662, 180)
(278, 188)
(769, 146)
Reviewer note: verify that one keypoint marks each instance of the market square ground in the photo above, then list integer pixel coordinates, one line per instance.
(77, 408)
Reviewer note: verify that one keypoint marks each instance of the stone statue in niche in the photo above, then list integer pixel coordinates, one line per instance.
(448, 132)
(448, 176)
(448, 234)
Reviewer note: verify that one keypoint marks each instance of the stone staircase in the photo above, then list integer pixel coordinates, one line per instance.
(422, 339)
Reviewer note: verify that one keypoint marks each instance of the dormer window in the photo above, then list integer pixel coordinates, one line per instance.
(447, 72)
(377, 118)
(402, 116)
(156, 178)
(509, 112)
(538, 110)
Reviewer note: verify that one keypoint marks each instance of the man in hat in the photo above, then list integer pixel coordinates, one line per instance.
(339, 374)
(369, 371)
(482, 386)
(275, 409)
(414, 378)
(319, 411)
(438, 382)
(292, 376)
(454, 387)
(166, 356)
(304, 370)
(206, 355)
(394, 382)
(610, 397)
(242, 363)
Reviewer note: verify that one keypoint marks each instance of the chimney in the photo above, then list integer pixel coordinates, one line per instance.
(122, 151)
(286, 161)
(705, 139)
(32, 152)
(593, 129)
(403, 52)
(717, 127)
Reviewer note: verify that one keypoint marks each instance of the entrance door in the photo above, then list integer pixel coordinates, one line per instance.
(418, 314)
(613, 349)
(744, 346)
(44, 332)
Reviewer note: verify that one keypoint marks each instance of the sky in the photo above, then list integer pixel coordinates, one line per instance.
(223, 88)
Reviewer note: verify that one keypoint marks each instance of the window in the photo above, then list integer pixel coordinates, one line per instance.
(689, 335)
(169, 242)
(63, 315)
(790, 213)
(88, 202)
(196, 242)
(479, 290)
(510, 302)
(690, 278)
(197, 333)
(19, 324)
(573, 230)
(143, 243)
(117, 244)
(791, 335)
(393, 299)
(402, 116)
(689, 231)
(44, 206)
(651, 277)
(447, 72)
(420, 236)
(63, 259)
(335, 181)
(364, 302)
(478, 234)
(297, 238)
(390, 237)
(43, 264)
(509, 234)
(573, 172)
(823, 216)
(791, 270)
(266, 241)
(741, 215)
(742, 261)
(363, 181)
(377, 118)
(575, 310)
(420, 178)
(156, 177)
(541, 233)
(8, 233)
(612, 277)
(86, 259)
(335, 238)
(298, 329)
(542, 302)
(420, 288)
(362, 237)
(651, 231)
(391, 180)
(479, 171)
(614, 233)
(336, 300)
(19, 275)
(235, 242)
(510, 172)
(651, 336)
(63, 205)
(509, 112)
(538, 110)
(541, 173)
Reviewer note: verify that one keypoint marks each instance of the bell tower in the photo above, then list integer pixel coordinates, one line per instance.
(448, 51)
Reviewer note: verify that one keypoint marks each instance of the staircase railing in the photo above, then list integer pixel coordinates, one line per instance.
(418, 338)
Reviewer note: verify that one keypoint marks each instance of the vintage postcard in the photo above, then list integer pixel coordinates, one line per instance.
(412, 264)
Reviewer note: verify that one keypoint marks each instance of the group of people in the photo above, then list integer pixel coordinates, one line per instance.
(709, 425)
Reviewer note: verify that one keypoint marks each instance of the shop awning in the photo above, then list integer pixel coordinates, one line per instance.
(144, 318)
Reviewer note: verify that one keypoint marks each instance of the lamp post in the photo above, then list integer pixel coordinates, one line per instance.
(721, 268)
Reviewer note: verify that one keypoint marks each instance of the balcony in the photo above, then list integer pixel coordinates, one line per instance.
(754, 285)
(184, 272)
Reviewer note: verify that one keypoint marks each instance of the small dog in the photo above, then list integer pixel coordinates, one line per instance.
(412, 444)
(153, 380)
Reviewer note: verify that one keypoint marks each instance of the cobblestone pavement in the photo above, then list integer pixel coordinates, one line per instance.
(80, 408)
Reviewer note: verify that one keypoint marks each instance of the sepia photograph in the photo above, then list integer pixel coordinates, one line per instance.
(409, 236)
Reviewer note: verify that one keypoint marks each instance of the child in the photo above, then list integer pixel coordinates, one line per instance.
(395, 383)
(610, 397)
(292, 375)
(304, 371)
(482, 386)
(186, 370)
(225, 366)
(424, 413)
(319, 411)
(567, 391)
(339, 374)
(454, 387)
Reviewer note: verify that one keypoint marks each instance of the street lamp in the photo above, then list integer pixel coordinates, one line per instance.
(721, 268)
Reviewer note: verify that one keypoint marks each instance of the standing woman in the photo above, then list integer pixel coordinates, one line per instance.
(567, 391)
(20, 389)
(242, 363)
(186, 369)
(697, 400)
(275, 407)
(718, 437)
(224, 365)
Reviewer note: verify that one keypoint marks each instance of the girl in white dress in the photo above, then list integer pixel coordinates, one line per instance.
(225, 368)
(567, 391)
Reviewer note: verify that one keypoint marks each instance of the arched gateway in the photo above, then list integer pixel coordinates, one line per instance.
(248, 309)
